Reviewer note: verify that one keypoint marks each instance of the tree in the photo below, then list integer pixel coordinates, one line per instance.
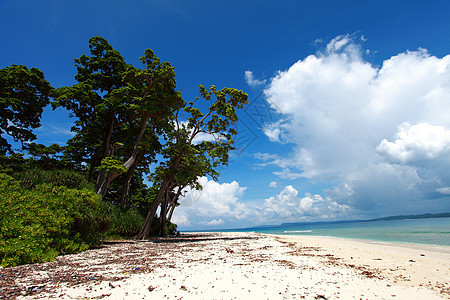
(46, 158)
(186, 175)
(120, 111)
(189, 155)
(23, 95)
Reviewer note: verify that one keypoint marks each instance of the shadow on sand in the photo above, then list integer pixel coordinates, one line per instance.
(184, 238)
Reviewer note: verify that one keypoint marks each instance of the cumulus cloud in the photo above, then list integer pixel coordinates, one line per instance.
(251, 81)
(420, 141)
(288, 206)
(213, 205)
(221, 205)
(382, 132)
(181, 219)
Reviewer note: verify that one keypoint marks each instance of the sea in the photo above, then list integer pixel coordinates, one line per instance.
(430, 231)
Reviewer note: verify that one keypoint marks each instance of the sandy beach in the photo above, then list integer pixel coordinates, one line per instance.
(237, 266)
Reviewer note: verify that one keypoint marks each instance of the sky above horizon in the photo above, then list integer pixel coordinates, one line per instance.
(349, 113)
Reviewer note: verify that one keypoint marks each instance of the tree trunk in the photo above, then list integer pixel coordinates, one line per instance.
(173, 203)
(164, 204)
(103, 180)
(102, 185)
(126, 186)
(92, 167)
(145, 231)
(172, 208)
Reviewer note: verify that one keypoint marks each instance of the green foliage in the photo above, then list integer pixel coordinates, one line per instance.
(31, 178)
(117, 104)
(48, 158)
(112, 165)
(23, 95)
(125, 222)
(171, 228)
(36, 225)
(11, 164)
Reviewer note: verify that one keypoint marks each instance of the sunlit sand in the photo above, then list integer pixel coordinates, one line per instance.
(238, 266)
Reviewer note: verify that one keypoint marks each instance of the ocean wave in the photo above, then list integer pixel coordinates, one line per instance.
(297, 231)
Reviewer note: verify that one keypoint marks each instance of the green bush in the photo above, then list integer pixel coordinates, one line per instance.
(172, 228)
(36, 225)
(125, 223)
(31, 178)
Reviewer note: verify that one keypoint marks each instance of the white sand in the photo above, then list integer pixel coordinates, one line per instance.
(255, 266)
(404, 264)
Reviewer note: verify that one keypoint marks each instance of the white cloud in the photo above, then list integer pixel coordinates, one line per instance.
(286, 173)
(338, 43)
(354, 122)
(214, 222)
(444, 190)
(272, 132)
(251, 81)
(284, 163)
(277, 132)
(418, 141)
(201, 137)
(215, 201)
(220, 205)
(181, 219)
(344, 45)
(273, 184)
(288, 206)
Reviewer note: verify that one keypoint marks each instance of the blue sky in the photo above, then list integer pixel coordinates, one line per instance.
(348, 114)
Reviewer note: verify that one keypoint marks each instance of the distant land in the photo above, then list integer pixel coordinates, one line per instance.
(391, 218)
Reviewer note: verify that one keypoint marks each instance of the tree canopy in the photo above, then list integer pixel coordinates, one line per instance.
(120, 111)
(23, 95)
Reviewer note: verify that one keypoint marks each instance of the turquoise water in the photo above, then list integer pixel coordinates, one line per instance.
(434, 231)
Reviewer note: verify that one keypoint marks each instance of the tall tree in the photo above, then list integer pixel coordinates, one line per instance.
(204, 138)
(23, 95)
(89, 101)
(120, 110)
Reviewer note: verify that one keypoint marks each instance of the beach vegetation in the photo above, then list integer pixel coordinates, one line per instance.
(137, 147)
(41, 222)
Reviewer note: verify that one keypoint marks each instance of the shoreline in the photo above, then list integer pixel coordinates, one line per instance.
(238, 265)
(405, 264)
(430, 247)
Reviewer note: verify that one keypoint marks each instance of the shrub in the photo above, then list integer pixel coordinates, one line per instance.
(36, 225)
(172, 228)
(125, 223)
(29, 179)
